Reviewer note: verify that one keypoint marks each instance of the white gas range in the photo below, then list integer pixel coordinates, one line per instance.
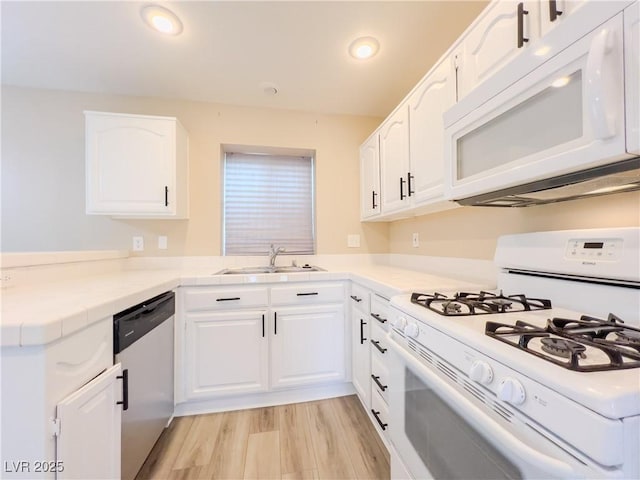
(534, 380)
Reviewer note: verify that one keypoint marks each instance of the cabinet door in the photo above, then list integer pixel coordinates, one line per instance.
(427, 104)
(88, 444)
(493, 41)
(394, 161)
(369, 178)
(307, 346)
(226, 353)
(130, 164)
(632, 74)
(554, 12)
(360, 355)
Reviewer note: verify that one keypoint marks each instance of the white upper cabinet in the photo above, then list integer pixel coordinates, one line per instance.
(427, 103)
(136, 166)
(554, 12)
(370, 178)
(501, 32)
(394, 161)
(632, 76)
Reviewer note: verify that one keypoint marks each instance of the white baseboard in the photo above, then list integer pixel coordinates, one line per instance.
(268, 399)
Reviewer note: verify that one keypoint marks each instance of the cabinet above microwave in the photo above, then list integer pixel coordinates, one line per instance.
(568, 121)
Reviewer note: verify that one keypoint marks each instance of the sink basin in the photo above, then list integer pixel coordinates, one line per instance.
(258, 270)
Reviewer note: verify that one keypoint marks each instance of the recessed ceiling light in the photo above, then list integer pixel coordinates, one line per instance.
(161, 20)
(364, 47)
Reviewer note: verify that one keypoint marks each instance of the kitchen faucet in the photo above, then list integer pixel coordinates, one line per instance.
(273, 253)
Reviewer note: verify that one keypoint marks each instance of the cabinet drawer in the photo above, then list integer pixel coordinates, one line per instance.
(359, 297)
(305, 294)
(224, 298)
(380, 412)
(379, 377)
(380, 311)
(379, 342)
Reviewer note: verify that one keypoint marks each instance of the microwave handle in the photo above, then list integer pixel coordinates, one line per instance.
(597, 92)
(484, 423)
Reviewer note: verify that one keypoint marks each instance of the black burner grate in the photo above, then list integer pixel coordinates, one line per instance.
(570, 338)
(479, 303)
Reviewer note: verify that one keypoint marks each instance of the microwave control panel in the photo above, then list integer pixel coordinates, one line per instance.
(594, 249)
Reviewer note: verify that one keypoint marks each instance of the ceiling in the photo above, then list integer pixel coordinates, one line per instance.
(229, 48)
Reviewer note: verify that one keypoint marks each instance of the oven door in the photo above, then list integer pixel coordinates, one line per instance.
(565, 116)
(439, 433)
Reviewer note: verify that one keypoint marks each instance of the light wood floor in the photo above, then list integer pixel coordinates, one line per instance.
(326, 439)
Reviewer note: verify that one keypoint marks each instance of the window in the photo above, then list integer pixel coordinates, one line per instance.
(268, 199)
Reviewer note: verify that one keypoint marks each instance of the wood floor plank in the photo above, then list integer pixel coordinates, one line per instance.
(229, 452)
(263, 420)
(367, 458)
(328, 442)
(192, 473)
(296, 448)
(199, 442)
(165, 452)
(306, 475)
(263, 456)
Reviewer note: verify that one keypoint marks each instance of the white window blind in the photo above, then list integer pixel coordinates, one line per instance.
(268, 199)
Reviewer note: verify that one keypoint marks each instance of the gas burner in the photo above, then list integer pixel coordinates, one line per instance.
(561, 347)
(572, 340)
(477, 303)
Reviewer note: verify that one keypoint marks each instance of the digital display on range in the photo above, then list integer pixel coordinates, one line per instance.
(593, 244)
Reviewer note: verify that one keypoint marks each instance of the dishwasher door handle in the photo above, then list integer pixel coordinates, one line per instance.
(125, 389)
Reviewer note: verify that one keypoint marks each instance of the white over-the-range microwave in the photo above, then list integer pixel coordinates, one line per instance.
(565, 129)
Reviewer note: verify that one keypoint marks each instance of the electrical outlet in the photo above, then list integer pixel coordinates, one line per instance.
(353, 240)
(416, 240)
(138, 244)
(162, 242)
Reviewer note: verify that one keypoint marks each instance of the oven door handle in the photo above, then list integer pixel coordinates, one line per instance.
(482, 422)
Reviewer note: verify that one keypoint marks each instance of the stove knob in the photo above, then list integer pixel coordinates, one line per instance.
(481, 372)
(412, 330)
(398, 322)
(511, 390)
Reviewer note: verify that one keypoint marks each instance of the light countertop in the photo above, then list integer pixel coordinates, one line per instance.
(42, 313)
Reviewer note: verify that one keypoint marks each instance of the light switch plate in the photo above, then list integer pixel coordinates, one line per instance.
(163, 242)
(353, 240)
(415, 240)
(138, 244)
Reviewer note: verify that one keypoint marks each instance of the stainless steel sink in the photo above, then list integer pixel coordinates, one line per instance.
(258, 270)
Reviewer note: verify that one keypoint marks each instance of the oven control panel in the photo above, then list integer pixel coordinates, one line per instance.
(594, 249)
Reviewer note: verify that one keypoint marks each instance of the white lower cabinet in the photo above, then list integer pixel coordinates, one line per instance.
(235, 340)
(227, 353)
(360, 355)
(60, 407)
(307, 345)
(89, 444)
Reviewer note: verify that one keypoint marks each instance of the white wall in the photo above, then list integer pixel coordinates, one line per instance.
(43, 197)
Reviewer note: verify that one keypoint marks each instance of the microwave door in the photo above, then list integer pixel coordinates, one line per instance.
(565, 116)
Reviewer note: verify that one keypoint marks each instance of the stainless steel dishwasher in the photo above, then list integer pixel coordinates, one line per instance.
(143, 344)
